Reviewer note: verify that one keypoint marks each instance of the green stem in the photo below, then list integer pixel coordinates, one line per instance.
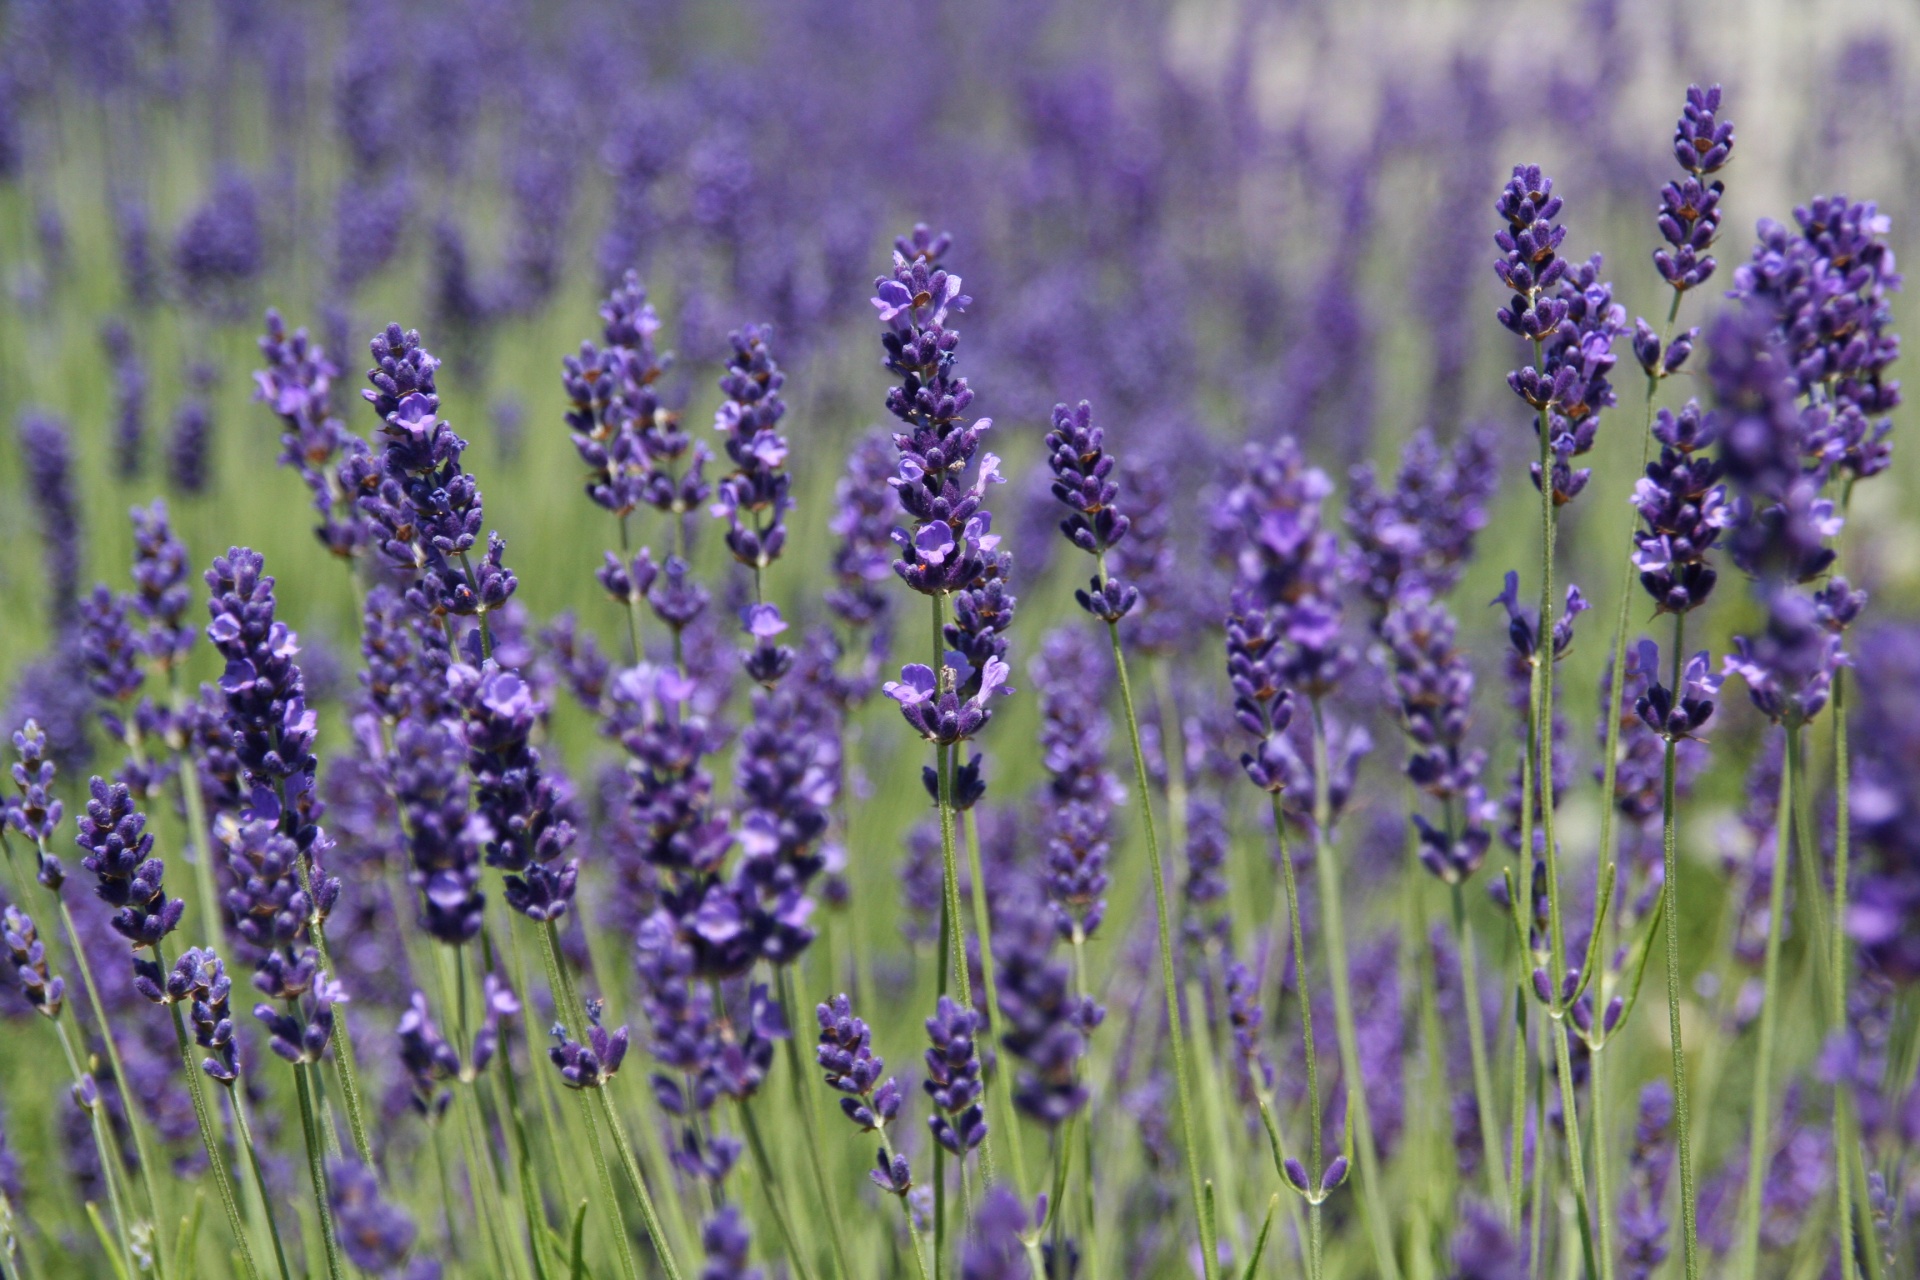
(112, 1163)
(1669, 824)
(648, 1214)
(1176, 1030)
(1760, 1134)
(776, 1199)
(1334, 932)
(209, 1133)
(244, 1131)
(199, 843)
(1315, 1145)
(1516, 1167)
(317, 1169)
(136, 1120)
(1477, 1045)
(343, 1057)
(622, 1245)
(1002, 1096)
(1843, 1139)
(633, 605)
(1602, 1179)
(803, 1103)
(913, 1228)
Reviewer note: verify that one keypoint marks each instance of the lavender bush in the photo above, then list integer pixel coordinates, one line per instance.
(1031, 619)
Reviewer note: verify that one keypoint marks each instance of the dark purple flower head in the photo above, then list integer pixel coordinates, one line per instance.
(1523, 624)
(1702, 143)
(220, 249)
(1689, 219)
(109, 650)
(676, 599)
(756, 496)
(862, 519)
(299, 1032)
(130, 399)
(1434, 685)
(1046, 1023)
(1084, 483)
(297, 385)
(724, 1241)
(35, 811)
(1247, 1017)
(934, 707)
(199, 980)
(1529, 245)
(444, 839)
(48, 455)
(995, 1248)
(1419, 535)
(787, 774)
(46, 993)
(118, 851)
(1571, 385)
(376, 1235)
(1081, 791)
(952, 531)
(520, 805)
(953, 1078)
(1684, 507)
(767, 662)
(1779, 523)
(1681, 714)
(429, 1060)
(845, 1053)
(1789, 667)
(161, 592)
(1262, 703)
(592, 1064)
(1483, 1249)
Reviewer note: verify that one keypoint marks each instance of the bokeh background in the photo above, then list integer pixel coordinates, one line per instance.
(1219, 221)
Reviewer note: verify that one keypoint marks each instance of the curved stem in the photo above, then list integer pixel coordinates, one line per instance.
(983, 928)
(1669, 825)
(776, 1199)
(803, 1103)
(622, 1245)
(1334, 932)
(648, 1214)
(1760, 1134)
(244, 1131)
(317, 1169)
(112, 1163)
(1176, 1031)
(1315, 1147)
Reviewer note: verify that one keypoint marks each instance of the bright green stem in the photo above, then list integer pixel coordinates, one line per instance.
(112, 1165)
(317, 1168)
(136, 1119)
(803, 1103)
(1602, 1179)
(1333, 925)
(1669, 831)
(1516, 1169)
(622, 1245)
(1837, 967)
(913, 1228)
(1760, 1137)
(1002, 1096)
(956, 956)
(1543, 731)
(210, 1135)
(648, 1214)
(1477, 1045)
(776, 1197)
(343, 1059)
(244, 1131)
(1176, 1030)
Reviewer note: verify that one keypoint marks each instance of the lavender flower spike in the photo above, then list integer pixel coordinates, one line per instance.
(953, 1078)
(755, 498)
(118, 848)
(1083, 483)
(46, 993)
(846, 1056)
(592, 1064)
(34, 811)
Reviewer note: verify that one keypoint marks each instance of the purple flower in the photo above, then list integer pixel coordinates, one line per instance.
(118, 851)
(1421, 533)
(1262, 703)
(130, 399)
(48, 455)
(1682, 713)
(1643, 1222)
(755, 497)
(1483, 1249)
(845, 1054)
(1689, 218)
(220, 248)
(35, 811)
(428, 1059)
(995, 1249)
(190, 440)
(296, 385)
(787, 774)
(1529, 244)
(1046, 1023)
(863, 520)
(934, 707)
(592, 1064)
(424, 511)
(444, 839)
(45, 993)
(1084, 484)
(953, 1078)
(1523, 624)
(1789, 667)
(161, 593)
(376, 1235)
(725, 1242)
(1246, 1016)
(199, 980)
(520, 805)
(300, 1033)
(1081, 792)
(1434, 685)
(1684, 508)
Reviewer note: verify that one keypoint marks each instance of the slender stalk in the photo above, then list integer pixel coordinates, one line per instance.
(1602, 1179)
(1843, 1139)
(195, 804)
(1669, 824)
(648, 1214)
(1334, 932)
(989, 982)
(244, 1131)
(622, 1245)
(343, 1057)
(136, 1121)
(1760, 1134)
(112, 1165)
(776, 1199)
(210, 1136)
(1477, 1045)
(1315, 1146)
(317, 1169)
(1517, 1160)
(1176, 1030)
(633, 606)
(803, 1103)
(949, 858)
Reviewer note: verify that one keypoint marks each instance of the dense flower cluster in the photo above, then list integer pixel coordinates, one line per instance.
(1419, 535)
(755, 497)
(297, 384)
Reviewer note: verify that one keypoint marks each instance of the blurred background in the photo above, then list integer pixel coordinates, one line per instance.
(1218, 221)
